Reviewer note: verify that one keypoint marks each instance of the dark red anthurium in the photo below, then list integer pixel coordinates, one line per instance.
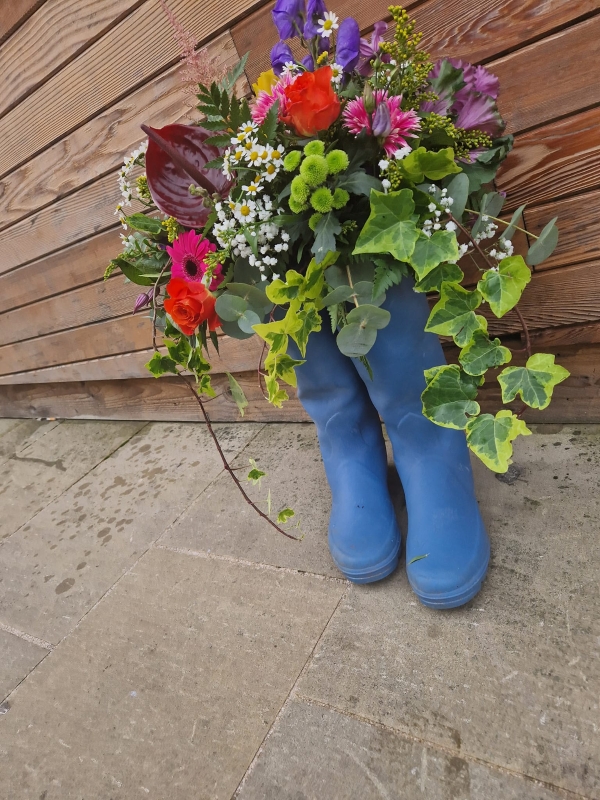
(175, 158)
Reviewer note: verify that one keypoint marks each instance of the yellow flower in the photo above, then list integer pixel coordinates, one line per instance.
(266, 81)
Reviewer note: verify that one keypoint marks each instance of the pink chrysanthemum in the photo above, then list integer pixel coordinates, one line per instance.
(188, 252)
(403, 123)
(264, 100)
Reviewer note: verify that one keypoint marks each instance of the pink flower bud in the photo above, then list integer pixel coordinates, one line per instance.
(382, 123)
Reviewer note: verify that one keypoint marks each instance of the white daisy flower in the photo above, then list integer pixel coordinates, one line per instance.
(245, 211)
(253, 188)
(270, 172)
(289, 68)
(328, 25)
(254, 155)
(277, 154)
(337, 73)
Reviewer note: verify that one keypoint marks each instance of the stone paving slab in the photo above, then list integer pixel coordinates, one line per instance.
(17, 658)
(511, 678)
(315, 752)
(44, 468)
(169, 685)
(59, 564)
(15, 433)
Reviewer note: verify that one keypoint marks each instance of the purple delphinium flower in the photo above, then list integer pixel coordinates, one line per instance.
(369, 49)
(288, 17)
(347, 49)
(315, 10)
(280, 55)
(308, 63)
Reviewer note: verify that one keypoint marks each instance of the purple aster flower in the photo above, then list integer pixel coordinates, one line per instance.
(280, 55)
(315, 10)
(348, 44)
(369, 49)
(288, 17)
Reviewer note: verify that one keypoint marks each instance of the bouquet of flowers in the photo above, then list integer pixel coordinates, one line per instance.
(358, 164)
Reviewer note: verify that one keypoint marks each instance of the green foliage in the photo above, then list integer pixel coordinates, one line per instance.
(314, 148)
(445, 272)
(490, 437)
(390, 227)
(534, 382)
(160, 364)
(454, 314)
(314, 170)
(284, 515)
(386, 275)
(422, 163)
(327, 228)
(458, 190)
(359, 183)
(449, 398)
(141, 222)
(255, 475)
(502, 288)
(337, 161)
(544, 245)
(483, 353)
(431, 251)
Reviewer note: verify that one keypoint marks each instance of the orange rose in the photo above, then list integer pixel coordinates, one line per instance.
(312, 105)
(190, 303)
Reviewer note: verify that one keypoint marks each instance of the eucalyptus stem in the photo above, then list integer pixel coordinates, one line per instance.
(351, 285)
(503, 221)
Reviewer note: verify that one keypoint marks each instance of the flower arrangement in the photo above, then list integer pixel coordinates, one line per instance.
(355, 167)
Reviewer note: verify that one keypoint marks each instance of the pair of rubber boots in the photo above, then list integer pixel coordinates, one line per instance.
(447, 547)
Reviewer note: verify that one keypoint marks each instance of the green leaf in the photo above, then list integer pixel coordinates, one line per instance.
(544, 245)
(483, 353)
(369, 316)
(159, 365)
(534, 382)
(230, 308)
(233, 329)
(180, 351)
(132, 274)
(219, 140)
(355, 341)
(141, 222)
(512, 225)
(247, 321)
(386, 276)
(478, 175)
(432, 282)
(284, 515)
(251, 294)
(338, 295)
(449, 398)
(458, 190)
(310, 320)
(277, 396)
(269, 126)
(430, 251)
(454, 314)
(359, 183)
(196, 363)
(491, 205)
(233, 76)
(325, 232)
(390, 227)
(238, 394)
(434, 165)
(363, 291)
(418, 558)
(490, 438)
(255, 475)
(503, 288)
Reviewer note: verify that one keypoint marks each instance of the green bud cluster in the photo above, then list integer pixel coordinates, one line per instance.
(405, 48)
(172, 227)
(143, 191)
(291, 161)
(307, 188)
(463, 141)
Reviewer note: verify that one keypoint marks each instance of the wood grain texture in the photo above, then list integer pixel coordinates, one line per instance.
(577, 400)
(101, 144)
(557, 159)
(578, 225)
(69, 268)
(14, 14)
(50, 38)
(132, 52)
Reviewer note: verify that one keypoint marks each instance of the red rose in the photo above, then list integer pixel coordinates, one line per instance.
(311, 103)
(190, 303)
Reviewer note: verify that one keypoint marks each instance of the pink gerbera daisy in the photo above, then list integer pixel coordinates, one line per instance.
(188, 253)
(402, 123)
(264, 100)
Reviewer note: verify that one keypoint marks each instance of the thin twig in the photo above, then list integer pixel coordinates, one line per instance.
(503, 221)
(354, 297)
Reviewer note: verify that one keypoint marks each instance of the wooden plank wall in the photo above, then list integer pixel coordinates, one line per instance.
(79, 76)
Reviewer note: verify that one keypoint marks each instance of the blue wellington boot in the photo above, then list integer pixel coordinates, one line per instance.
(364, 538)
(444, 523)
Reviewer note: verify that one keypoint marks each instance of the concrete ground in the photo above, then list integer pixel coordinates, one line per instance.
(158, 640)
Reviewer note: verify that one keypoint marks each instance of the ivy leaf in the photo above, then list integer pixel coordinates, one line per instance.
(159, 365)
(390, 227)
(503, 288)
(277, 396)
(325, 232)
(422, 163)
(255, 475)
(483, 353)
(430, 251)
(449, 398)
(238, 395)
(458, 190)
(490, 438)
(544, 245)
(284, 515)
(534, 382)
(310, 320)
(454, 314)
(359, 183)
(180, 351)
(432, 282)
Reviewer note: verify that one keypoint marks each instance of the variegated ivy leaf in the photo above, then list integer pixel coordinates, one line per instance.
(491, 438)
(390, 227)
(503, 288)
(310, 320)
(432, 282)
(430, 251)
(534, 382)
(454, 314)
(449, 399)
(482, 353)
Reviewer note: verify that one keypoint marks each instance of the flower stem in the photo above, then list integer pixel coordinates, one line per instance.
(503, 221)
(351, 285)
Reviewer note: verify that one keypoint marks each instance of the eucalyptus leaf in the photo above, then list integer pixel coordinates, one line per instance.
(252, 294)
(534, 382)
(247, 320)
(544, 245)
(359, 183)
(458, 190)
(491, 205)
(512, 225)
(369, 316)
(339, 295)
(449, 398)
(363, 291)
(229, 307)
(490, 438)
(233, 329)
(355, 341)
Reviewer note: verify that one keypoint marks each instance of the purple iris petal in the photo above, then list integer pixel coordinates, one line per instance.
(315, 10)
(369, 49)
(308, 63)
(348, 44)
(280, 55)
(287, 16)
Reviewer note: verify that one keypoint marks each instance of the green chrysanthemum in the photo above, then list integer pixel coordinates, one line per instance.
(340, 198)
(291, 161)
(300, 190)
(296, 207)
(337, 161)
(322, 200)
(314, 221)
(314, 170)
(316, 148)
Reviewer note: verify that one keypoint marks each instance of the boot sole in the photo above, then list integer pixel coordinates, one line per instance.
(453, 599)
(376, 573)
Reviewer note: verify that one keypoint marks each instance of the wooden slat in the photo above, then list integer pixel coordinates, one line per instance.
(557, 159)
(131, 53)
(74, 266)
(100, 145)
(51, 37)
(566, 336)
(14, 14)
(578, 225)
(577, 400)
